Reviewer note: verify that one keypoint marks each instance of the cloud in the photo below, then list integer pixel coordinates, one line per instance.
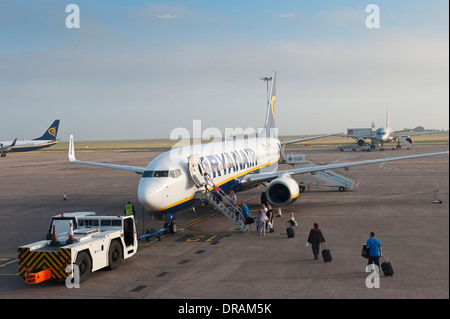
(146, 15)
(342, 16)
(286, 15)
(167, 16)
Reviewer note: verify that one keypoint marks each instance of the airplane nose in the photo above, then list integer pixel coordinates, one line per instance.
(150, 193)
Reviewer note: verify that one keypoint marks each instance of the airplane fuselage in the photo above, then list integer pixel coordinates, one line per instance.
(167, 186)
(30, 145)
(46, 140)
(384, 134)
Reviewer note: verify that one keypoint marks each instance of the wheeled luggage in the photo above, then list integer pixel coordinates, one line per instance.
(326, 254)
(289, 230)
(249, 220)
(386, 266)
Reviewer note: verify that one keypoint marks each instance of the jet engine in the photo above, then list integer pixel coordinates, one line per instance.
(282, 191)
(361, 142)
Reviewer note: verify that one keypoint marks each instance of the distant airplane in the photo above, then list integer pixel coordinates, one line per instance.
(386, 135)
(175, 180)
(46, 140)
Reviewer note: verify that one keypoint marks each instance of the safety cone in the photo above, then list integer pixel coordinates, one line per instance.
(279, 213)
(435, 199)
(71, 238)
(54, 241)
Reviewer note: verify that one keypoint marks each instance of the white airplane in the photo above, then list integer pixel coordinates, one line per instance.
(46, 140)
(385, 135)
(170, 182)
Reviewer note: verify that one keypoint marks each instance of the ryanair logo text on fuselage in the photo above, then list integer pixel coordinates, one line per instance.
(229, 162)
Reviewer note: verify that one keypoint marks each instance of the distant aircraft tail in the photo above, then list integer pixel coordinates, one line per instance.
(269, 125)
(50, 133)
(387, 117)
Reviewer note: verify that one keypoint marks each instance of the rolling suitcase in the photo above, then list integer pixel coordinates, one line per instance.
(249, 220)
(326, 254)
(386, 266)
(290, 231)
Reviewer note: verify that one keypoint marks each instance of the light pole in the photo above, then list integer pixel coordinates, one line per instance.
(267, 79)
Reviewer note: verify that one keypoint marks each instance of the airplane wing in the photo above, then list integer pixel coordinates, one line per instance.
(4, 149)
(72, 159)
(306, 139)
(405, 134)
(265, 177)
(356, 136)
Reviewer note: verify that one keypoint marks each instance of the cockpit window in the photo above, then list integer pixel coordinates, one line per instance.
(175, 173)
(161, 174)
(172, 173)
(147, 174)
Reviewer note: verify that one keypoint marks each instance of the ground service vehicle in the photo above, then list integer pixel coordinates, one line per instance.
(91, 243)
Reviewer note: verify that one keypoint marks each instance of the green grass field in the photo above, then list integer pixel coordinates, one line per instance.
(166, 144)
(332, 141)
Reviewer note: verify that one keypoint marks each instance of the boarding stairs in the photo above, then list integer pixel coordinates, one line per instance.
(221, 202)
(333, 179)
(208, 191)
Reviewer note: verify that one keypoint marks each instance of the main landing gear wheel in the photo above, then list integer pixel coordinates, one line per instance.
(301, 187)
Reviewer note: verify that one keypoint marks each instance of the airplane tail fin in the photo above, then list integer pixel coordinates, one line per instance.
(269, 125)
(387, 117)
(51, 132)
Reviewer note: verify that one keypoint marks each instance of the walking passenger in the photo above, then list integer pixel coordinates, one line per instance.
(375, 250)
(315, 238)
(292, 220)
(269, 214)
(207, 180)
(217, 195)
(262, 219)
(232, 198)
(264, 208)
(245, 210)
(246, 214)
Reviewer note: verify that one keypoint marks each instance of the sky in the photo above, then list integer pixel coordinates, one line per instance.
(139, 69)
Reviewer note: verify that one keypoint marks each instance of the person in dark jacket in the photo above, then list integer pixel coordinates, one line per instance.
(315, 238)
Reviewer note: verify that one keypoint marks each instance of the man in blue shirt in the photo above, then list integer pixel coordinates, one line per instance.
(246, 215)
(245, 210)
(375, 250)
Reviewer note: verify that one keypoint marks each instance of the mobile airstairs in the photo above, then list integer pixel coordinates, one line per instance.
(214, 195)
(217, 198)
(332, 179)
